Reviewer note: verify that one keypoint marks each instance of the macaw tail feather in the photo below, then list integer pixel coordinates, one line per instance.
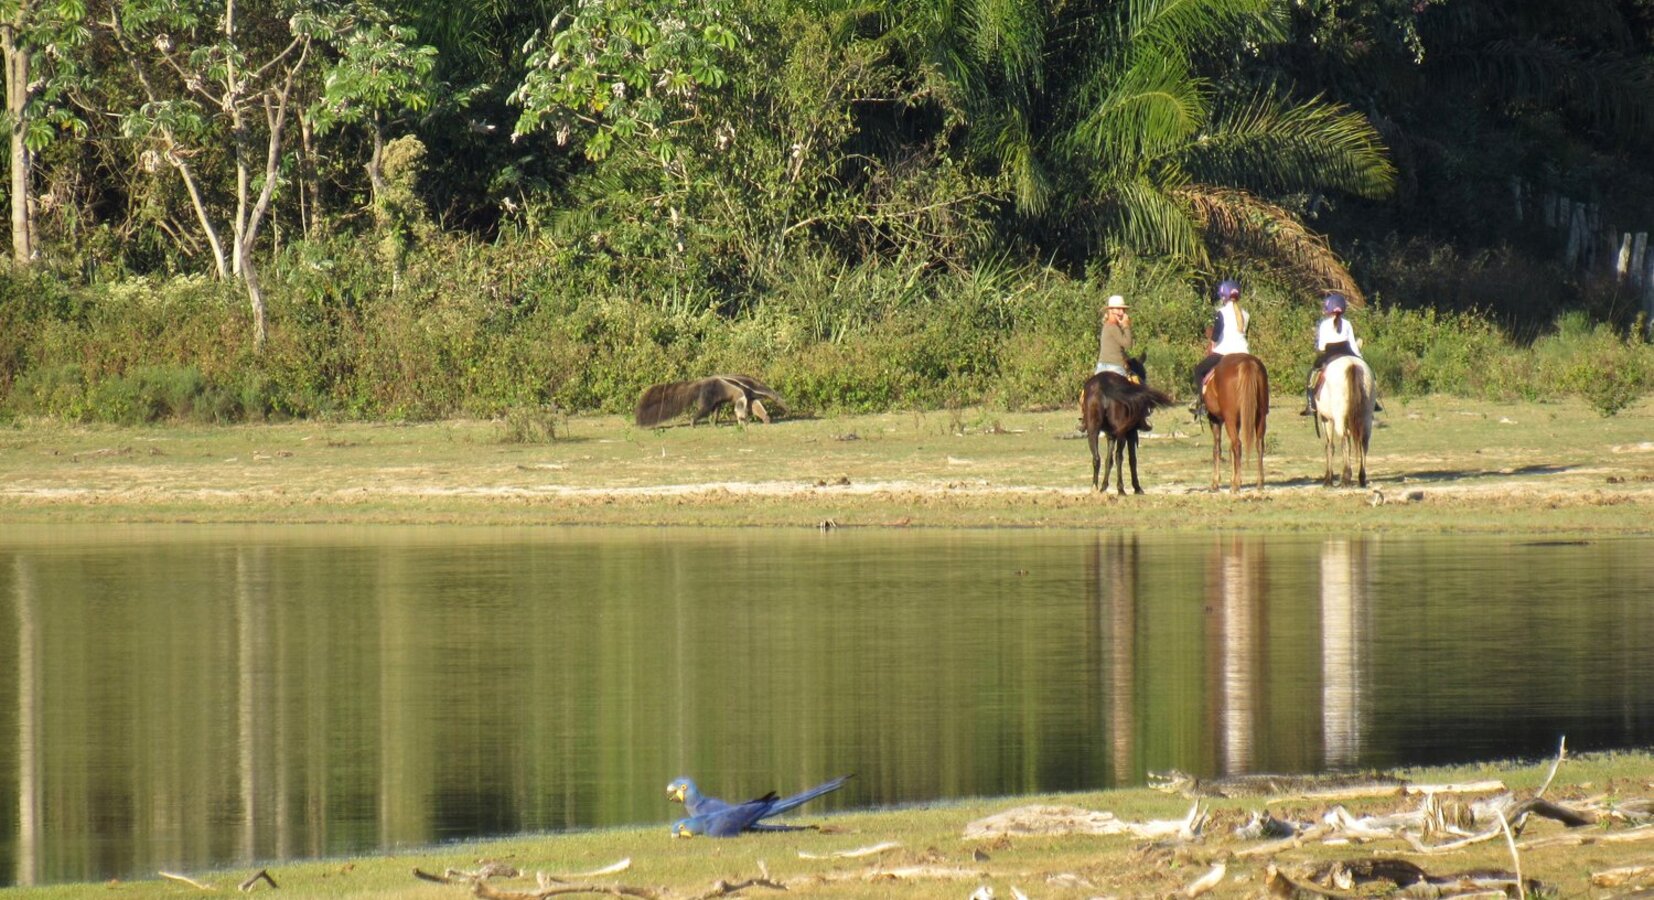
(803, 797)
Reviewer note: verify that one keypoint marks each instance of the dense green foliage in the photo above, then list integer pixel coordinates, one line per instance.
(403, 210)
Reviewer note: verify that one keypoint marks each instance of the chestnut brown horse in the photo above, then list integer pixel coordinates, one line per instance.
(1237, 397)
(1113, 405)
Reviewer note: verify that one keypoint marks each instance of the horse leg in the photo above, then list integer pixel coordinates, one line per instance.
(1234, 455)
(1326, 444)
(1121, 443)
(1349, 441)
(1108, 464)
(1361, 452)
(1259, 449)
(1131, 447)
(1096, 461)
(1217, 449)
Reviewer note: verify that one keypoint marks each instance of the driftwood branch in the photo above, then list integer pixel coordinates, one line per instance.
(481, 889)
(255, 878)
(1515, 858)
(1622, 876)
(185, 879)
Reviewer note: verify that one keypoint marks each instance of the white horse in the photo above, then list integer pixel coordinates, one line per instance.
(1344, 407)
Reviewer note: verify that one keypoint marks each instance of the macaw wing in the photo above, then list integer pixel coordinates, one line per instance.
(702, 805)
(733, 820)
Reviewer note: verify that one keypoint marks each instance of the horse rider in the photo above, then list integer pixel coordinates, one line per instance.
(1335, 337)
(1226, 335)
(1114, 346)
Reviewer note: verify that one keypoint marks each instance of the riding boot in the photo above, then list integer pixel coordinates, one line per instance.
(1309, 403)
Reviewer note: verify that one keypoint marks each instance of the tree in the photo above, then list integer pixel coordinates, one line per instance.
(615, 70)
(1100, 118)
(380, 73)
(218, 78)
(36, 40)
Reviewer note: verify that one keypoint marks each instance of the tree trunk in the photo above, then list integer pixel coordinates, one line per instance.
(255, 293)
(17, 100)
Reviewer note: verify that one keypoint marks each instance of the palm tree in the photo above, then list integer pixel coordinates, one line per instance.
(1111, 140)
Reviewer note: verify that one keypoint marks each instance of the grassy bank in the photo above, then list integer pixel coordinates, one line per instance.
(1438, 464)
(933, 860)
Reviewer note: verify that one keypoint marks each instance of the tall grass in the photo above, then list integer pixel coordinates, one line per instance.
(500, 331)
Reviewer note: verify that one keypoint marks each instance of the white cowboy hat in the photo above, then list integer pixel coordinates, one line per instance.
(1117, 302)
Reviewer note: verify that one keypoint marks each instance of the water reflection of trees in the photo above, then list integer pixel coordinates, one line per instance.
(1344, 577)
(192, 705)
(1236, 585)
(1112, 575)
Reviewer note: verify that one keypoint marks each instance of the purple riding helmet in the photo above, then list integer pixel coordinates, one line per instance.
(1228, 289)
(1335, 303)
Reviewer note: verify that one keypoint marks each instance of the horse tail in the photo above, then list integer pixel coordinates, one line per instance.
(1091, 403)
(1156, 398)
(1358, 416)
(662, 402)
(1251, 385)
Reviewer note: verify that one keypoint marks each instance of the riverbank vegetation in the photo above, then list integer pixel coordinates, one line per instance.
(922, 852)
(414, 212)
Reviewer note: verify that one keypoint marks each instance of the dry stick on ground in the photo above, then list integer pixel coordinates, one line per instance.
(1516, 860)
(260, 875)
(1622, 876)
(481, 889)
(1644, 833)
(1561, 751)
(173, 876)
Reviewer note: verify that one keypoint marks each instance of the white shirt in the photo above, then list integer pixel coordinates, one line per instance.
(1233, 339)
(1332, 330)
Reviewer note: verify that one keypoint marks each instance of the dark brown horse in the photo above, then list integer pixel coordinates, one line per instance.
(1237, 397)
(1113, 405)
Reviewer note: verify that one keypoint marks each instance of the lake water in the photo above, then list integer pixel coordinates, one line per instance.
(185, 698)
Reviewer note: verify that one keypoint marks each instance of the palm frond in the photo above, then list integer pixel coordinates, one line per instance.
(1248, 224)
(1010, 34)
(1182, 24)
(1271, 148)
(1006, 136)
(1144, 219)
(1611, 91)
(1154, 104)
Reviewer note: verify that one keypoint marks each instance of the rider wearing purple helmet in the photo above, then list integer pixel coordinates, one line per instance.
(1227, 334)
(1334, 338)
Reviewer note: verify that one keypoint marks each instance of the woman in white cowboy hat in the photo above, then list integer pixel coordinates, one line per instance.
(1114, 347)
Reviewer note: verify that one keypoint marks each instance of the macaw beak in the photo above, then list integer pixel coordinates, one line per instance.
(682, 832)
(674, 792)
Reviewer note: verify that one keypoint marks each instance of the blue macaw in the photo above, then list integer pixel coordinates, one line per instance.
(714, 817)
(730, 821)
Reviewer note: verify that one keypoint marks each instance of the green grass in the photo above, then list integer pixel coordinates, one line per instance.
(931, 836)
(1467, 465)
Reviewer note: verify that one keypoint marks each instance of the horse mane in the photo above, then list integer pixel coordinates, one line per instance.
(662, 402)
